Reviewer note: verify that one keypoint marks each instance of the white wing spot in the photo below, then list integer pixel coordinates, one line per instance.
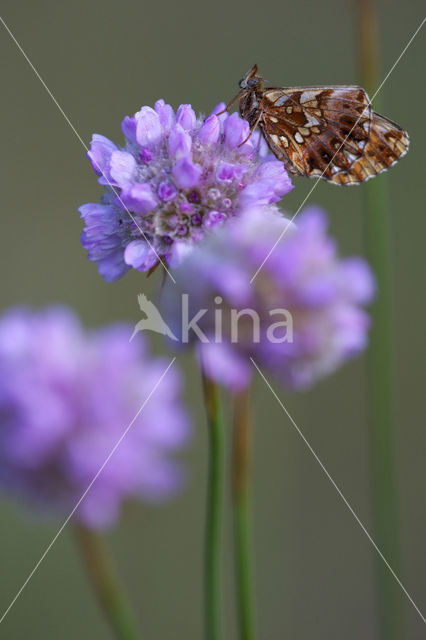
(351, 157)
(284, 141)
(273, 95)
(304, 131)
(281, 101)
(273, 119)
(298, 137)
(309, 96)
(310, 120)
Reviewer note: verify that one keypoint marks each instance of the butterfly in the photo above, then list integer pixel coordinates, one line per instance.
(322, 132)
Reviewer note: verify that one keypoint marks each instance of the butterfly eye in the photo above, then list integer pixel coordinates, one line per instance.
(253, 82)
(249, 83)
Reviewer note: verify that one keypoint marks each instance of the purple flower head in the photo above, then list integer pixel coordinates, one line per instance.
(66, 398)
(299, 318)
(176, 178)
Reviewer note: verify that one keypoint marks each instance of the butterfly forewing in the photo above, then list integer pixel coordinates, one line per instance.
(325, 132)
(308, 127)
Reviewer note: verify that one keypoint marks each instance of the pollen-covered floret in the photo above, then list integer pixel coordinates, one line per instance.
(176, 178)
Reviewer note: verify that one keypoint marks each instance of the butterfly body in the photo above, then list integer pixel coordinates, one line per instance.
(322, 132)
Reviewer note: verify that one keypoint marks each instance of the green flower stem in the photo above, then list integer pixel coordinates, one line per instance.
(110, 596)
(213, 541)
(241, 467)
(381, 359)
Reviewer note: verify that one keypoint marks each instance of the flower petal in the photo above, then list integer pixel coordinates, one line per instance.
(228, 172)
(100, 219)
(186, 173)
(214, 219)
(166, 115)
(148, 127)
(100, 153)
(236, 131)
(139, 255)
(180, 142)
(220, 109)
(112, 267)
(122, 167)
(128, 127)
(167, 191)
(210, 130)
(139, 198)
(186, 117)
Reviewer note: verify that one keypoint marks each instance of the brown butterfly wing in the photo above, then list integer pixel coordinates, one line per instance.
(317, 131)
(388, 143)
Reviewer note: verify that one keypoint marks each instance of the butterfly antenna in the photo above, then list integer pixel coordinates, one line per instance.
(230, 104)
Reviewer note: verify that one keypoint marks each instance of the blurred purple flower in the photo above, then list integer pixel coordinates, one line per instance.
(176, 177)
(323, 296)
(66, 397)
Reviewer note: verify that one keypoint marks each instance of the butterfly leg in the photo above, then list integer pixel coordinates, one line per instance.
(151, 271)
(252, 130)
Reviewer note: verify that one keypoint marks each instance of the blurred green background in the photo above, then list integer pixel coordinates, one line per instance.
(102, 61)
